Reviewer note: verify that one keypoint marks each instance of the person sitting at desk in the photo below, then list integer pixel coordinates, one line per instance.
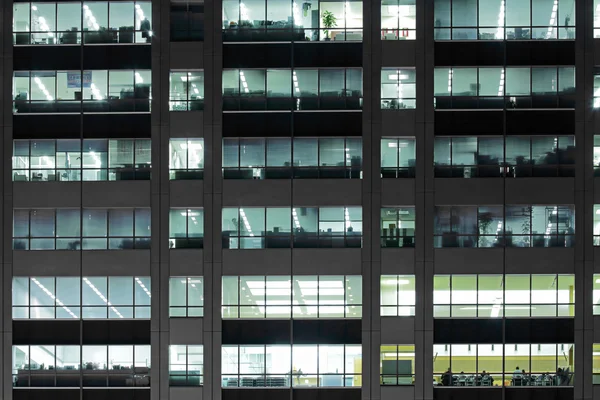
(447, 378)
(517, 373)
(486, 379)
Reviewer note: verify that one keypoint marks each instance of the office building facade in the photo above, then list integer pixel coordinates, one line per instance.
(280, 199)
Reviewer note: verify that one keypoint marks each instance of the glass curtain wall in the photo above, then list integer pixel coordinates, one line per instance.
(544, 364)
(279, 227)
(504, 87)
(511, 295)
(76, 160)
(318, 365)
(296, 297)
(509, 226)
(510, 156)
(289, 20)
(98, 297)
(50, 23)
(89, 91)
(504, 19)
(298, 158)
(81, 229)
(297, 89)
(75, 366)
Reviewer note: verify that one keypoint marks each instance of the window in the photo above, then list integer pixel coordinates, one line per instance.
(540, 226)
(597, 70)
(298, 89)
(546, 156)
(596, 364)
(65, 366)
(504, 19)
(398, 157)
(187, 21)
(398, 88)
(186, 365)
(87, 229)
(398, 20)
(298, 158)
(88, 298)
(288, 20)
(186, 90)
(397, 363)
(484, 157)
(398, 227)
(504, 88)
(61, 91)
(297, 297)
(398, 297)
(495, 296)
(186, 228)
(468, 226)
(76, 160)
(275, 227)
(103, 23)
(318, 365)
(596, 155)
(596, 294)
(504, 365)
(186, 159)
(513, 226)
(186, 296)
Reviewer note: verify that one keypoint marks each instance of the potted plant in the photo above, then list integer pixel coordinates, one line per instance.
(329, 21)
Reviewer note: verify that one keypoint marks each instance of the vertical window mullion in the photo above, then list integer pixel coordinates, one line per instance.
(451, 304)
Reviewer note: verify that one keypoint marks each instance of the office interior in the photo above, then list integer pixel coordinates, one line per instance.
(504, 19)
(298, 366)
(310, 296)
(100, 22)
(545, 364)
